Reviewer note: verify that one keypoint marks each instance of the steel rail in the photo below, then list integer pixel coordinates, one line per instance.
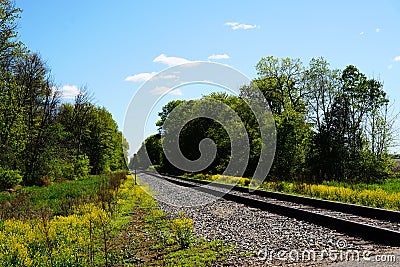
(374, 233)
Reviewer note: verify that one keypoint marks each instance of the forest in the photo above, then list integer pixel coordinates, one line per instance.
(330, 124)
(43, 137)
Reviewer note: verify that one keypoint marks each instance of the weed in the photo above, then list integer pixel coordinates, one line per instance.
(182, 228)
(381, 195)
(124, 227)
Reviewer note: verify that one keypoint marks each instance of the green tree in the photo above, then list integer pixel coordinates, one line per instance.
(42, 139)
(330, 124)
(12, 132)
(166, 110)
(345, 108)
(103, 143)
(323, 87)
(282, 82)
(149, 154)
(41, 101)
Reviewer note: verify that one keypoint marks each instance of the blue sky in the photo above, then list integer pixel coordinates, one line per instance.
(112, 46)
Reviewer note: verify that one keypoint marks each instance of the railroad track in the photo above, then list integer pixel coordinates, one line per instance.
(378, 225)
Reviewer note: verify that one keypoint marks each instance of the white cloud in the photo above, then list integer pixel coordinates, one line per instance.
(377, 29)
(361, 33)
(397, 58)
(218, 56)
(140, 77)
(171, 61)
(240, 26)
(168, 76)
(390, 67)
(145, 76)
(161, 90)
(69, 91)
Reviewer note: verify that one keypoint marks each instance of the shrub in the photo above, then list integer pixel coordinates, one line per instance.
(9, 178)
(66, 169)
(82, 166)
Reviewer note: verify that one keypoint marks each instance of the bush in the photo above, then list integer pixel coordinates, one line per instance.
(82, 166)
(9, 178)
(58, 170)
(70, 168)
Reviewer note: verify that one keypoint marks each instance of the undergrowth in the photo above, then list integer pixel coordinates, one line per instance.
(380, 195)
(109, 222)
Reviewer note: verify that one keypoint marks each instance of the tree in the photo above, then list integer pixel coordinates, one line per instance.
(92, 132)
(283, 84)
(41, 101)
(41, 139)
(330, 124)
(11, 97)
(103, 143)
(166, 110)
(149, 154)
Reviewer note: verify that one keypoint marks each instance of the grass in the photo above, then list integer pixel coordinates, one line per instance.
(58, 197)
(64, 224)
(391, 185)
(385, 194)
(110, 222)
(161, 241)
(378, 197)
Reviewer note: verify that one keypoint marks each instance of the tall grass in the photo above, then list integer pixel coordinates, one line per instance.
(60, 197)
(391, 185)
(115, 223)
(375, 196)
(34, 233)
(381, 195)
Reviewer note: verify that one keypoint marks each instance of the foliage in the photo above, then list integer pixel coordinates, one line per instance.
(330, 124)
(389, 185)
(42, 137)
(82, 167)
(81, 237)
(376, 197)
(149, 154)
(57, 198)
(9, 178)
(382, 195)
(61, 241)
(92, 135)
(128, 230)
(224, 179)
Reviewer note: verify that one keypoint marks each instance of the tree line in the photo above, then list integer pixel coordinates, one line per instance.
(42, 137)
(330, 124)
